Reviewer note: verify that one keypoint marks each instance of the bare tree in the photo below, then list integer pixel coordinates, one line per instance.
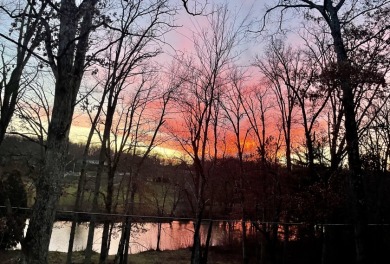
(197, 103)
(257, 104)
(25, 34)
(142, 132)
(131, 49)
(67, 61)
(33, 112)
(90, 109)
(235, 114)
(300, 73)
(337, 15)
(161, 199)
(318, 48)
(271, 66)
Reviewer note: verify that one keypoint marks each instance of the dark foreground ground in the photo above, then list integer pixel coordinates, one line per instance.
(182, 256)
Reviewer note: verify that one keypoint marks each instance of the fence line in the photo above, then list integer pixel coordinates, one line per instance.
(170, 218)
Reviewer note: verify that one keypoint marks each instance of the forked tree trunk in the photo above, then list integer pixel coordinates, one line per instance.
(68, 72)
(121, 255)
(123, 248)
(205, 253)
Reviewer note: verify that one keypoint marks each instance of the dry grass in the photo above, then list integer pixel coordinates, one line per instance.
(182, 256)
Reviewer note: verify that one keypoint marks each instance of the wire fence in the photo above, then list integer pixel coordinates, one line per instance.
(68, 214)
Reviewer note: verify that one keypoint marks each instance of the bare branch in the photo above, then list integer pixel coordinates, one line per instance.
(195, 12)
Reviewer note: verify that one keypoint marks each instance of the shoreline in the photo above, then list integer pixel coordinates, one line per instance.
(180, 256)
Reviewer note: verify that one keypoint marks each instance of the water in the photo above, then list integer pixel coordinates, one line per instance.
(175, 235)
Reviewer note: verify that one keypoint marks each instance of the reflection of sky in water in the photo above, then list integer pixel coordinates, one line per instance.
(144, 237)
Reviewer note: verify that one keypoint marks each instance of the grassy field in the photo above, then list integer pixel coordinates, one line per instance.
(145, 202)
(216, 256)
(145, 197)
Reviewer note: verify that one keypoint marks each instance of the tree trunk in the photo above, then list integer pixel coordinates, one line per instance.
(359, 210)
(28, 35)
(121, 256)
(80, 189)
(95, 205)
(324, 249)
(91, 229)
(49, 184)
(106, 226)
(69, 72)
(159, 225)
(310, 151)
(105, 145)
(288, 152)
(245, 257)
(207, 245)
(81, 185)
(105, 241)
(123, 248)
(48, 189)
(196, 255)
(11, 92)
(267, 249)
(286, 240)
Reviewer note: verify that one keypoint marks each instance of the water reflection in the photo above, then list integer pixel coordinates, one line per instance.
(174, 236)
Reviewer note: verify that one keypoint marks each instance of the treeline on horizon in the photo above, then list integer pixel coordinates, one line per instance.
(306, 199)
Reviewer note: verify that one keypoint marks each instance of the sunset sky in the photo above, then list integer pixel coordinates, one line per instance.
(181, 41)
